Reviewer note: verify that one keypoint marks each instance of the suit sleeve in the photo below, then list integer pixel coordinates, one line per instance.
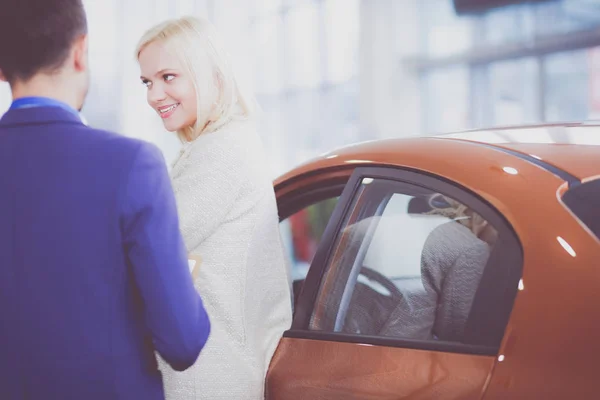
(174, 311)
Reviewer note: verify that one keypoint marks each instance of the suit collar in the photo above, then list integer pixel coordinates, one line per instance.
(38, 116)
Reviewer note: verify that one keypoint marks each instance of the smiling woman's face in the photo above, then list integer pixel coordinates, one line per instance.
(170, 90)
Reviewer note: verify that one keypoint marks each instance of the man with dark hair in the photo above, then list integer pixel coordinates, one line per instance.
(93, 272)
(48, 30)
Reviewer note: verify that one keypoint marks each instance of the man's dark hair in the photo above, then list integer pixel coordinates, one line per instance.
(37, 35)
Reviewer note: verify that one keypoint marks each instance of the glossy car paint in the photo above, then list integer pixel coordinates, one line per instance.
(551, 345)
(364, 372)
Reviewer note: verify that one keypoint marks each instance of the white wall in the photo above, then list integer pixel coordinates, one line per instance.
(5, 98)
(390, 96)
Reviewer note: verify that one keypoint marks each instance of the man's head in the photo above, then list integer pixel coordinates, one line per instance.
(43, 47)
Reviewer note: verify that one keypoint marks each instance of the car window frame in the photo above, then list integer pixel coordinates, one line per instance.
(310, 188)
(378, 201)
(324, 253)
(582, 207)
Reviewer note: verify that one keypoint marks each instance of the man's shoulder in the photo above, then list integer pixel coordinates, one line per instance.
(116, 143)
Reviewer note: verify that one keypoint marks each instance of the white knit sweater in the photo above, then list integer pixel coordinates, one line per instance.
(228, 216)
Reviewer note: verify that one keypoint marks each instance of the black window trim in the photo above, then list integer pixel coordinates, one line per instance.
(582, 207)
(299, 199)
(446, 347)
(571, 180)
(315, 172)
(317, 269)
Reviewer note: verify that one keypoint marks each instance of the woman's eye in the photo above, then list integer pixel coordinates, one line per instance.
(146, 82)
(168, 77)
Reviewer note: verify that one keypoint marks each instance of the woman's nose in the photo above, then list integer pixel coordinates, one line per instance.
(156, 94)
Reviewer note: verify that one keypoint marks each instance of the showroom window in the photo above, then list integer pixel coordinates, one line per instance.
(527, 63)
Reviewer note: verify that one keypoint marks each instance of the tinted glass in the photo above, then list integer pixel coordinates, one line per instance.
(583, 201)
(407, 264)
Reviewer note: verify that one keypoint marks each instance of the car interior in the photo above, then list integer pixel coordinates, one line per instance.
(389, 249)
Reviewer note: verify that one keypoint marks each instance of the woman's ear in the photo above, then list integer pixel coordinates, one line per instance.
(2, 77)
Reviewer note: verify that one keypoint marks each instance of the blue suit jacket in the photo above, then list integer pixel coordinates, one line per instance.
(93, 270)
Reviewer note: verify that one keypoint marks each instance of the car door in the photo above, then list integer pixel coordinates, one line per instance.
(407, 296)
(305, 206)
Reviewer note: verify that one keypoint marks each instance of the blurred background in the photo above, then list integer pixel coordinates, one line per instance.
(332, 72)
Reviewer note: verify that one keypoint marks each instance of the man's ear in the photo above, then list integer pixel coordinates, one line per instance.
(80, 53)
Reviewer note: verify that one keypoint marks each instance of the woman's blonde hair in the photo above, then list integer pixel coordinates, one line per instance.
(196, 42)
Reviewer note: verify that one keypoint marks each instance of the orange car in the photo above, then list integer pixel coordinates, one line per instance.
(463, 266)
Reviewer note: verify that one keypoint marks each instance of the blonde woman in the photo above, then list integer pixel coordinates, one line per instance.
(227, 209)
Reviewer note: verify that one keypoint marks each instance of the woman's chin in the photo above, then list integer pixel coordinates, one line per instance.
(172, 127)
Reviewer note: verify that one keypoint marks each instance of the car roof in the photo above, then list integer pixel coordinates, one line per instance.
(572, 148)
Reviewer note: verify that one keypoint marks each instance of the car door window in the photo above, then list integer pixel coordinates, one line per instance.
(302, 233)
(411, 263)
